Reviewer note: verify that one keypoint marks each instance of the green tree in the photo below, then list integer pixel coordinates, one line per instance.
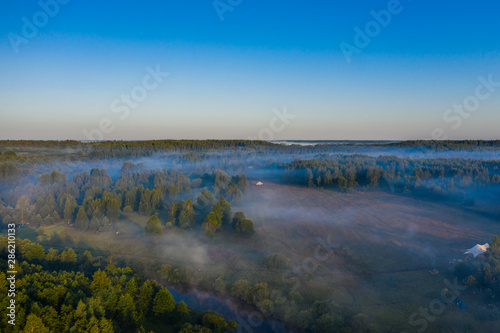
(203, 204)
(145, 203)
(69, 208)
(82, 221)
(50, 317)
(80, 318)
(195, 329)
(68, 256)
(187, 215)
(257, 293)
(234, 194)
(153, 225)
(35, 251)
(132, 198)
(131, 287)
(105, 326)
(244, 228)
(223, 211)
(126, 311)
(163, 303)
(276, 261)
(52, 255)
(182, 307)
(100, 281)
(237, 216)
(211, 224)
(240, 288)
(173, 215)
(34, 325)
(215, 321)
(145, 298)
(111, 206)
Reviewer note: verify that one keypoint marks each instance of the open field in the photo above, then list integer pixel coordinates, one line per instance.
(387, 244)
(384, 247)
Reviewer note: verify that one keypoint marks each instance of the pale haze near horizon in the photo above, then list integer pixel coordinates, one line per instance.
(227, 78)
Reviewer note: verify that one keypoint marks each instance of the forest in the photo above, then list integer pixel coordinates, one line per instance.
(65, 292)
(133, 219)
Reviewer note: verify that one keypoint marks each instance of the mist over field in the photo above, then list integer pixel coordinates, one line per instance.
(234, 166)
(335, 236)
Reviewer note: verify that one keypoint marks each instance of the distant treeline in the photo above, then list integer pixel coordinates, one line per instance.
(51, 150)
(447, 144)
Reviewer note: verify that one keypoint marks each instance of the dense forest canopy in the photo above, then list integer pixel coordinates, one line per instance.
(65, 292)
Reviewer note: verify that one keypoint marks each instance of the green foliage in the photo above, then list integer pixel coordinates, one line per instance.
(187, 215)
(173, 214)
(150, 201)
(482, 273)
(34, 325)
(240, 288)
(82, 221)
(296, 297)
(216, 322)
(221, 182)
(276, 261)
(257, 293)
(112, 300)
(57, 302)
(211, 224)
(153, 225)
(163, 303)
(33, 252)
(223, 211)
(244, 228)
(100, 282)
(437, 179)
(67, 256)
(195, 329)
(203, 204)
(69, 207)
(8, 171)
(237, 216)
(182, 307)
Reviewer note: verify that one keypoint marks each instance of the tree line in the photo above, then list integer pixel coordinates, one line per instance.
(450, 179)
(92, 201)
(211, 214)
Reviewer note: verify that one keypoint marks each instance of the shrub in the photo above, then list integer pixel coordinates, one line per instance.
(244, 228)
(153, 226)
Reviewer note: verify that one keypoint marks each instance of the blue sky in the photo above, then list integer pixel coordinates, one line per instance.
(225, 77)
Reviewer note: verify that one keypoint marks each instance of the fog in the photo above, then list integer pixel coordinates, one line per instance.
(383, 236)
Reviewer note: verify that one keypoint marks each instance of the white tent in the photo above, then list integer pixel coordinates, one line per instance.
(259, 184)
(478, 249)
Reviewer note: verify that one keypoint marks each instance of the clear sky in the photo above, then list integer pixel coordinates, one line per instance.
(229, 67)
